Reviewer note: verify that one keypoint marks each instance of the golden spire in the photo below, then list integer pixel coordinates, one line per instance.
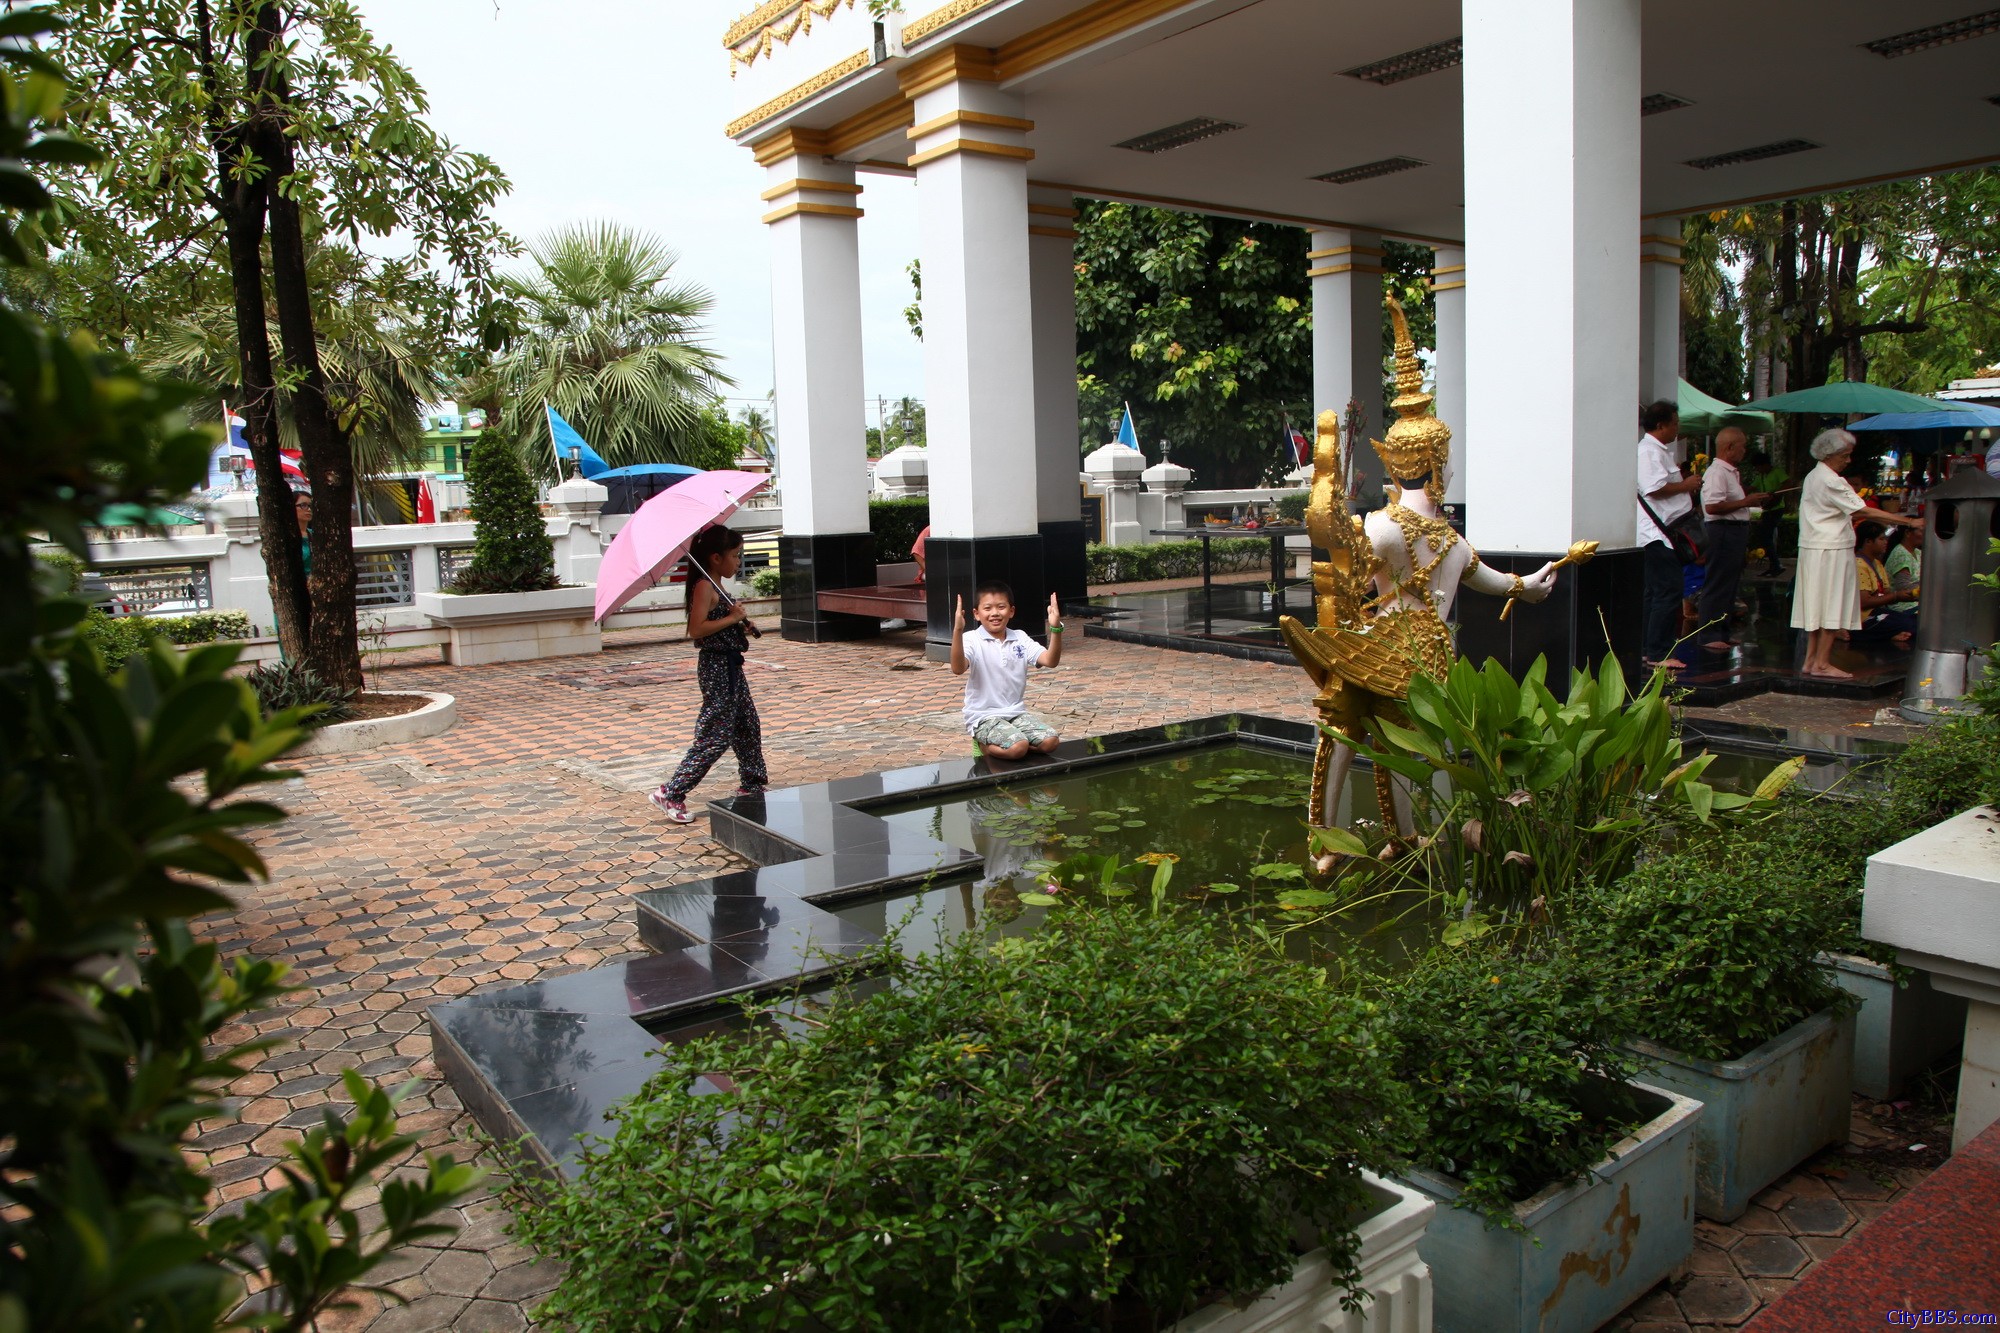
(1418, 444)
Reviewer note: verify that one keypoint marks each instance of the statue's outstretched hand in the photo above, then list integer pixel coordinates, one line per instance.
(1537, 586)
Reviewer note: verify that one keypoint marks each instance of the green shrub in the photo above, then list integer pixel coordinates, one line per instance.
(767, 582)
(1123, 1111)
(65, 569)
(895, 525)
(1953, 766)
(1292, 506)
(1728, 942)
(511, 550)
(1514, 1052)
(117, 638)
(282, 686)
(1174, 560)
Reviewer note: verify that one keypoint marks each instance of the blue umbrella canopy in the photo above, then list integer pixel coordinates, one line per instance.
(1964, 416)
(647, 470)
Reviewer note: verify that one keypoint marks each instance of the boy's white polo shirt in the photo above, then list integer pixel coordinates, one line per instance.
(996, 675)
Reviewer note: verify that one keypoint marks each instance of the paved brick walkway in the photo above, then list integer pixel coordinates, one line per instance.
(505, 849)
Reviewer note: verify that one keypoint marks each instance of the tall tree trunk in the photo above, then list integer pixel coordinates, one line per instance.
(334, 648)
(1786, 261)
(241, 203)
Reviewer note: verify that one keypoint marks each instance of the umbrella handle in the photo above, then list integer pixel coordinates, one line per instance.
(748, 625)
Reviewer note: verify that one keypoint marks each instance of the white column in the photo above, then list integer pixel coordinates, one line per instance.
(972, 208)
(1052, 308)
(245, 583)
(816, 337)
(1448, 293)
(1345, 267)
(1552, 332)
(1660, 309)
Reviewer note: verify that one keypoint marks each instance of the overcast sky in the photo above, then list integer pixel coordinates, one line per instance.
(614, 109)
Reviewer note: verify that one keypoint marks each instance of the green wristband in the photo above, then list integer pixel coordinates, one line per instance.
(1056, 628)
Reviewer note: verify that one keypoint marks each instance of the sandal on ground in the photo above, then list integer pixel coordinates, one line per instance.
(674, 809)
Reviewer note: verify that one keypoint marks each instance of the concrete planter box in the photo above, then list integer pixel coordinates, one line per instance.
(1766, 1111)
(1591, 1248)
(1899, 1031)
(1393, 1273)
(514, 626)
(367, 733)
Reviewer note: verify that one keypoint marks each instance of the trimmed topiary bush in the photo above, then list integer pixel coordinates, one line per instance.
(895, 525)
(117, 638)
(511, 550)
(1174, 560)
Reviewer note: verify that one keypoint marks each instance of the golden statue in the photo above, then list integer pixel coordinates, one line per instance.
(1384, 592)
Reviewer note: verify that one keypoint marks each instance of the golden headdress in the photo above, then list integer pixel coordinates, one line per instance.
(1419, 445)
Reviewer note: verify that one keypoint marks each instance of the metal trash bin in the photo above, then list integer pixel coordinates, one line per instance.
(1956, 622)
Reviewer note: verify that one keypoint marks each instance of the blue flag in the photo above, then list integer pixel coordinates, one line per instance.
(564, 438)
(1128, 434)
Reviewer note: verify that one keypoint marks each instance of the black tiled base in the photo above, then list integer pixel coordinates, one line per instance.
(1064, 562)
(1594, 607)
(954, 566)
(811, 565)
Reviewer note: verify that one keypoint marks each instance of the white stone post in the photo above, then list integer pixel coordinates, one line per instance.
(1115, 469)
(971, 158)
(1345, 268)
(903, 471)
(241, 569)
(1448, 292)
(816, 363)
(1552, 333)
(1169, 481)
(1052, 309)
(1660, 309)
(574, 508)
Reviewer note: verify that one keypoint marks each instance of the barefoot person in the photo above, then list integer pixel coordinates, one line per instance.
(1826, 593)
(720, 627)
(995, 660)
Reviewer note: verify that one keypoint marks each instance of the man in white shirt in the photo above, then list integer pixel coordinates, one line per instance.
(1667, 494)
(1728, 507)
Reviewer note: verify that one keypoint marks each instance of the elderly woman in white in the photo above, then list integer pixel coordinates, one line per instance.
(1826, 598)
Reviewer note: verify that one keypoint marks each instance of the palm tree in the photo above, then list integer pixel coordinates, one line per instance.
(609, 340)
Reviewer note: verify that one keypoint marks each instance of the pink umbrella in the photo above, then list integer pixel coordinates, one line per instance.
(664, 527)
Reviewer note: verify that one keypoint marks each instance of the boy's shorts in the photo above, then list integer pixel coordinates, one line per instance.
(1005, 732)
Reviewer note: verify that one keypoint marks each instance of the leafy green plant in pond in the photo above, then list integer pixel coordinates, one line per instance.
(1121, 1115)
(1544, 795)
(1727, 942)
(1508, 1045)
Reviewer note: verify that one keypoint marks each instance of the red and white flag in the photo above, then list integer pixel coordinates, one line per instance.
(426, 506)
(1302, 450)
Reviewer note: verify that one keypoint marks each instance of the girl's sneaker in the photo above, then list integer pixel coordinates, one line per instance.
(675, 810)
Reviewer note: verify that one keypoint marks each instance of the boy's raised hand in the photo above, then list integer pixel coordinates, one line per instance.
(1055, 612)
(958, 615)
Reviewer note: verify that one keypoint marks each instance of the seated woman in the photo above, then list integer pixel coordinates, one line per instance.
(1880, 621)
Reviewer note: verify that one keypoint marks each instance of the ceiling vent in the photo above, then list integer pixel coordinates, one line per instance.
(1179, 136)
(1654, 103)
(1411, 64)
(1368, 171)
(1782, 148)
(1938, 34)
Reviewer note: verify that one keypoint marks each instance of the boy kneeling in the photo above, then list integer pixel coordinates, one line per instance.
(994, 660)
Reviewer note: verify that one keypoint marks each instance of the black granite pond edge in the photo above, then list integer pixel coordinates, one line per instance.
(541, 1064)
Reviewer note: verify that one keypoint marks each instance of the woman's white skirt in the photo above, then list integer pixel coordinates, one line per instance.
(1827, 592)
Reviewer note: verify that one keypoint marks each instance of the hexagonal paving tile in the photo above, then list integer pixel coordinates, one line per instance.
(1717, 1299)
(1768, 1256)
(1817, 1217)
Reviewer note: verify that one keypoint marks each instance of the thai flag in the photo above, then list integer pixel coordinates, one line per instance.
(426, 506)
(1302, 449)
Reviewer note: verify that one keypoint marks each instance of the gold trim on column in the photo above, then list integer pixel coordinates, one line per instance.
(789, 143)
(1447, 286)
(1344, 250)
(1663, 259)
(948, 64)
(813, 210)
(1061, 233)
(972, 146)
(806, 183)
(950, 118)
(1449, 268)
(1674, 241)
(784, 101)
(1332, 269)
(865, 127)
(1052, 210)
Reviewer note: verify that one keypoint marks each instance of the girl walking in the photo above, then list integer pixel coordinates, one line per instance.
(720, 627)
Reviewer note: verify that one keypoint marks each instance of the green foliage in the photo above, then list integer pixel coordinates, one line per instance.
(1952, 766)
(511, 550)
(118, 637)
(609, 337)
(1204, 324)
(1714, 342)
(1545, 796)
(286, 687)
(1728, 941)
(895, 525)
(1126, 1112)
(1173, 559)
(1513, 1050)
(1291, 506)
(767, 582)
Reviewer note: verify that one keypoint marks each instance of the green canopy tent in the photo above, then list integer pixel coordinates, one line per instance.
(1856, 396)
(141, 516)
(1703, 415)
